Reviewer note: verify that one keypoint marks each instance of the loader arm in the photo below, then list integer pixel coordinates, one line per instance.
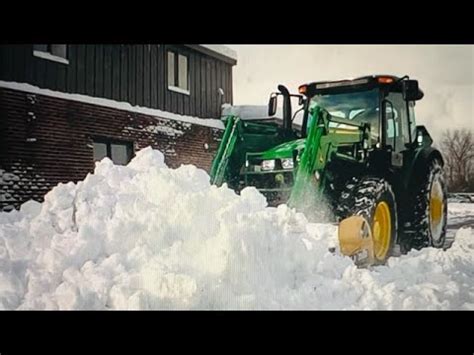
(226, 147)
(305, 184)
(239, 138)
(323, 142)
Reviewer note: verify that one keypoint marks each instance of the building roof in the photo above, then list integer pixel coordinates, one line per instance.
(218, 51)
(223, 50)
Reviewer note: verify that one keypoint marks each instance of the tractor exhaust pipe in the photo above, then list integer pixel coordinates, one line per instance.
(286, 107)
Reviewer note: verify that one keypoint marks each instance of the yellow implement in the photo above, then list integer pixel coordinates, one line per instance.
(356, 241)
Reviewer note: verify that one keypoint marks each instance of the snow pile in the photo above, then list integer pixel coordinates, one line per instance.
(144, 236)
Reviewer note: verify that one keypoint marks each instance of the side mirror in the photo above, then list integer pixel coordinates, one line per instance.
(411, 91)
(272, 104)
(422, 136)
(419, 139)
(300, 100)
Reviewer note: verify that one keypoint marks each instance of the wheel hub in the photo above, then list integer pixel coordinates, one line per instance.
(436, 213)
(382, 230)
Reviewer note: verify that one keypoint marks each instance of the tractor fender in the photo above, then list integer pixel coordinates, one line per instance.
(421, 160)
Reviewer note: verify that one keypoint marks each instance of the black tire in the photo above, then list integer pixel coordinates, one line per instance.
(361, 197)
(422, 232)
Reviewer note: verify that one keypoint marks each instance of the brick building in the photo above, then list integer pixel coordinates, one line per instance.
(62, 107)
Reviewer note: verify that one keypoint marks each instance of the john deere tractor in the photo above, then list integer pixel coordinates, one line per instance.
(357, 153)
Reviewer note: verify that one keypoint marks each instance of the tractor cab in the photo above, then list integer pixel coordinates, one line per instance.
(384, 102)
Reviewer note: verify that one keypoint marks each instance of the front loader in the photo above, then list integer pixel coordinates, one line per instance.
(358, 158)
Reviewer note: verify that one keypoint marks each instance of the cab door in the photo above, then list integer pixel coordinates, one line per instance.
(397, 126)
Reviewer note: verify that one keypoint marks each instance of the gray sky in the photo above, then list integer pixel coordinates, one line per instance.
(445, 74)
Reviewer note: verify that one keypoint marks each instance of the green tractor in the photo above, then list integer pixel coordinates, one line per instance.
(357, 157)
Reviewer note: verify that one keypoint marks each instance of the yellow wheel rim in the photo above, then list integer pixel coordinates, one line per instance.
(436, 209)
(382, 230)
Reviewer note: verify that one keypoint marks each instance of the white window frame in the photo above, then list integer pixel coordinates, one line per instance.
(179, 90)
(49, 56)
(173, 87)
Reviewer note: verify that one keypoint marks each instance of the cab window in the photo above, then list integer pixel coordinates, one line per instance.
(397, 123)
(411, 111)
(358, 106)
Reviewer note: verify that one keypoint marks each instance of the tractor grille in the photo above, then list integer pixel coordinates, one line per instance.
(274, 185)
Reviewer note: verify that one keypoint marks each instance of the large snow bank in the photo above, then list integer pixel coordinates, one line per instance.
(145, 236)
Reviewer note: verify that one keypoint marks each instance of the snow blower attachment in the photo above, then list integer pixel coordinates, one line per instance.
(357, 154)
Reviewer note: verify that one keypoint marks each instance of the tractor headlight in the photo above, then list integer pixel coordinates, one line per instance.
(268, 164)
(317, 175)
(287, 163)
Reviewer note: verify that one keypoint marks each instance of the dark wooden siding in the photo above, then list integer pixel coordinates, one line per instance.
(133, 73)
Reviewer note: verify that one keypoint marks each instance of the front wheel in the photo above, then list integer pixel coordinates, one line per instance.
(373, 199)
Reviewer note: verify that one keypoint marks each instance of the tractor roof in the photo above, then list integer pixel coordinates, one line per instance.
(354, 81)
(361, 83)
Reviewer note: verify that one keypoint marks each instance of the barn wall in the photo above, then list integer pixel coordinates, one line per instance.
(46, 140)
(134, 73)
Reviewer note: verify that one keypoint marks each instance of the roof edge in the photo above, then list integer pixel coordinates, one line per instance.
(217, 51)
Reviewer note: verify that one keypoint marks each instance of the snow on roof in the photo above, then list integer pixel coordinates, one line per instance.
(209, 122)
(247, 112)
(222, 50)
(258, 112)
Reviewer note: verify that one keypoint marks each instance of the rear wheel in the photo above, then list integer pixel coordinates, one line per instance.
(373, 199)
(428, 222)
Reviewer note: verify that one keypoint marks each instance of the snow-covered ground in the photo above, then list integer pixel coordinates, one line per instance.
(460, 215)
(144, 236)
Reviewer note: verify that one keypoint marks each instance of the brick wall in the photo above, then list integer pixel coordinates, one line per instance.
(46, 140)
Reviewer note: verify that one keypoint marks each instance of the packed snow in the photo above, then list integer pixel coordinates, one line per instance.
(144, 236)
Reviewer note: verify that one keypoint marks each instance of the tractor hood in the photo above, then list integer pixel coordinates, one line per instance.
(284, 150)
